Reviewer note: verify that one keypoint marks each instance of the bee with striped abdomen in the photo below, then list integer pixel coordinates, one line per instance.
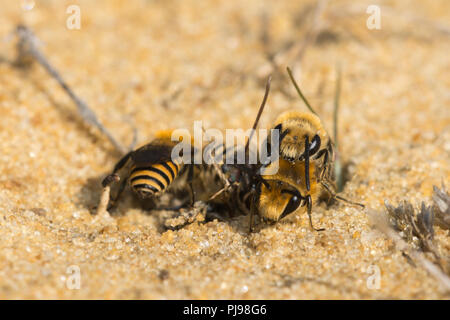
(153, 169)
(150, 170)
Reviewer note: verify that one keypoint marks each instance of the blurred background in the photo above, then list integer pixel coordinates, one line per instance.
(164, 64)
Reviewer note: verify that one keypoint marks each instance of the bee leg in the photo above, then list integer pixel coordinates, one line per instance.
(102, 207)
(119, 165)
(325, 165)
(240, 204)
(106, 183)
(334, 195)
(306, 157)
(252, 212)
(113, 177)
(309, 207)
(325, 154)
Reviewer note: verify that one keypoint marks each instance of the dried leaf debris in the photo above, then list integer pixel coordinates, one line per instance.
(441, 207)
(415, 232)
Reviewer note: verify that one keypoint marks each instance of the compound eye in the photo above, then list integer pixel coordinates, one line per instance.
(315, 145)
(293, 203)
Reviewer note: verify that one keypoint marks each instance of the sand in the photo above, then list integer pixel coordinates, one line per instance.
(158, 65)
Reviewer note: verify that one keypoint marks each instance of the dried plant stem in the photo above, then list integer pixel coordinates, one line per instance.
(218, 171)
(337, 163)
(382, 224)
(102, 208)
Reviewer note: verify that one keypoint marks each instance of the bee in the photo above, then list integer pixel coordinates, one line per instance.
(302, 175)
(273, 190)
(151, 170)
(305, 165)
(305, 140)
(240, 180)
(286, 191)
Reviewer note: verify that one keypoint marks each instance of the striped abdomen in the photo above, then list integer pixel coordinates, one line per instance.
(153, 179)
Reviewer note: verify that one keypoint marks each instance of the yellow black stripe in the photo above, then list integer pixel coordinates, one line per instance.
(154, 178)
(148, 179)
(151, 173)
(174, 166)
(169, 169)
(146, 187)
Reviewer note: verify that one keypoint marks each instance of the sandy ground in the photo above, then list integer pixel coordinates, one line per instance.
(165, 64)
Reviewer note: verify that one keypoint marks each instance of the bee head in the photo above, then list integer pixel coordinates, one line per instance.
(277, 201)
(298, 143)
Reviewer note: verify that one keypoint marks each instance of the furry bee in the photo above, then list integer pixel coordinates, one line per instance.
(305, 140)
(286, 191)
(304, 173)
(305, 167)
(274, 190)
(150, 170)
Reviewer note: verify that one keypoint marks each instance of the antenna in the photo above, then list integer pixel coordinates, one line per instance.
(261, 108)
(299, 91)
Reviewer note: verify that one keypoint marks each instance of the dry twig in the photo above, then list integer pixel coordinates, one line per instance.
(381, 222)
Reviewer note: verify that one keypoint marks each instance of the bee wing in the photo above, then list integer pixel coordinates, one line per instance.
(152, 153)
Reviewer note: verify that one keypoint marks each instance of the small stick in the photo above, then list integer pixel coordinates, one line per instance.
(27, 46)
(300, 91)
(337, 163)
(215, 195)
(102, 208)
(261, 109)
(381, 222)
(218, 170)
